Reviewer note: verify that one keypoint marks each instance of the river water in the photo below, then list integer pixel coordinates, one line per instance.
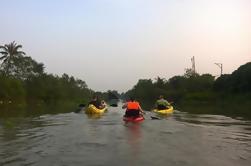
(182, 139)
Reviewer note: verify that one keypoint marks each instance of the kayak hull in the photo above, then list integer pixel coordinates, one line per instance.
(91, 109)
(133, 119)
(165, 111)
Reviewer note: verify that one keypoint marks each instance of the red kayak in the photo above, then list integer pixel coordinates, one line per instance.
(133, 119)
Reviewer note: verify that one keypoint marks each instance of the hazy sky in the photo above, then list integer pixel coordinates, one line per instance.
(111, 44)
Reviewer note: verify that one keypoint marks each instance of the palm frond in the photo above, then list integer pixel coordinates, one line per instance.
(21, 53)
(12, 49)
(1, 58)
(18, 46)
(4, 52)
(13, 43)
(5, 60)
(3, 48)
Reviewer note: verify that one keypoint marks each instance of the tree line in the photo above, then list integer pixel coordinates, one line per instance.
(23, 80)
(232, 91)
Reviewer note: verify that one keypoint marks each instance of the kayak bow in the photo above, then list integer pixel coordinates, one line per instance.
(91, 109)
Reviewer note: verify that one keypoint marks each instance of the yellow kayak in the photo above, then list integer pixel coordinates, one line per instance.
(91, 109)
(94, 116)
(165, 111)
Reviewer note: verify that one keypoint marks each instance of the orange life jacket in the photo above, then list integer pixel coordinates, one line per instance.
(132, 105)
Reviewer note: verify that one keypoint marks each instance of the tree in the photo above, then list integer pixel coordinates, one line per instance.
(25, 67)
(190, 73)
(241, 79)
(160, 82)
(222, 83)
(19, 66)
(11, 89)
(113, 94)
(9, 52)
(177, 82)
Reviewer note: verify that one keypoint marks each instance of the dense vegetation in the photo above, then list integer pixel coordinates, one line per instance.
(23, 80)
(229, 93)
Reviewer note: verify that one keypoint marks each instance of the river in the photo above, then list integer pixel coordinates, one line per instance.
(75, 139)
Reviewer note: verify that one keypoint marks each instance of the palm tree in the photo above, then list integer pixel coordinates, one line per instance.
(9, 52)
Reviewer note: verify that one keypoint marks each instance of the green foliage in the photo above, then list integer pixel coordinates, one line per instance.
(160, 83)
(50, 88)
(175, 88)
(240, 79)
(238, 82)
(177, 83)
(190, 73)
(11, 89)
(200, 96)
(195, 88)
(10, 52)
(143, 90)
(16, 65)
(109, 95)
(25, 67)
(222, 83)
(22, 78)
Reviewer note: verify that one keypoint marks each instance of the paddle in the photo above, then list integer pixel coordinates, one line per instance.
(152, 117)
(171, 102)
(114, 105)
(155, 118)
(80, 107)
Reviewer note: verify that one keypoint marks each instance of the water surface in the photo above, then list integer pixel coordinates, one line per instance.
(77, 139)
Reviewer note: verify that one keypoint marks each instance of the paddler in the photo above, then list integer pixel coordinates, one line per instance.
(133, 108)
(161, 103)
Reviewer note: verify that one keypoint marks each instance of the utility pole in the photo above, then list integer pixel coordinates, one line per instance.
(193, 65)
(220, 65)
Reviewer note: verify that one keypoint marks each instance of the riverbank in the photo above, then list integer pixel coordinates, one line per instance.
(37, 108)
(224, 104)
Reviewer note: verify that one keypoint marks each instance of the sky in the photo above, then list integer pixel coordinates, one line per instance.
(111, 44)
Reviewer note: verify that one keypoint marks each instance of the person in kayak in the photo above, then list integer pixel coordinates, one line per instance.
(133, 108)
(103, 104)
(161, 103)
(95, 101)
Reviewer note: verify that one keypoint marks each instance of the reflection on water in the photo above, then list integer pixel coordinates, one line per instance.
(94, 116)
(79, 139)
(133, 136)
(206, 119)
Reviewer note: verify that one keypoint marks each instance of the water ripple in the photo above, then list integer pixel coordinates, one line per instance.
(76, 139)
